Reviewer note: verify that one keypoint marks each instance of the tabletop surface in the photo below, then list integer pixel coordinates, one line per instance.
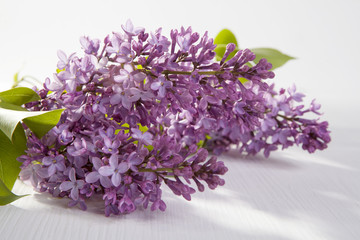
(290, 195)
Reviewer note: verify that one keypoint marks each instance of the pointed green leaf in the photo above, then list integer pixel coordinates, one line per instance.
(220, 51)
(11, 106)
(9, 166)
(224, 37)
(19, 96)
(275, 57)
(9, 119)
(42, 123)
(6, 196)
(13, 141)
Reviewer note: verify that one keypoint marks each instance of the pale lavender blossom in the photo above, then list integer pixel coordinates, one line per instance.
(295, 95)
(91, 46)
(63, 59)
(144, 138)
(126, 205)
(122, 96)
(73, 184)
(115, 169)
(161, 85)
(130, 30)
(94, 176)
(54, 163)
(139, 94)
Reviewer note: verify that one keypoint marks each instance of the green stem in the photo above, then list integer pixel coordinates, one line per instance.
(288, 118)
(156, 170)
(189, 73)
(167, 72)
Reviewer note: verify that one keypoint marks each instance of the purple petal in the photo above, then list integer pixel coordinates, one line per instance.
(282, 138)
(147, 96)
(96, 162)
(128, 26)
(48, 161)
(107, 142)
(71, 86)
(110, 50)
(65, 186)
(138, 30)
(114, 162)
(134, 159)
(275, 137)
(162, 92)
(105, 182)
(62, 56)
(116, 179)
(155, 85)
(92, 177)
(203, 104)
(123, 167)
(123, 59)
(52, 170)
(138, 77)
(80, 184)
(115, 99)
(213, 100)
(43, 172)
(125, 48)
(54, 85)
(135, 91)
(106, 171)
(126, 103)
(74, 194)
(124, 75)
(147, 138)
(84, 42)
(136, 133)
(72, 175)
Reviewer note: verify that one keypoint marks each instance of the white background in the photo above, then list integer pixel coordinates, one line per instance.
(292, 195)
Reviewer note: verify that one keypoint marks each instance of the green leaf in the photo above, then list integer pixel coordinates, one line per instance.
(13, 143)
(19, 96)
(224, 37)
(11, 106)
(9, 166)
(6, 196)
(40, 122)
(220, 51)
(275, 57)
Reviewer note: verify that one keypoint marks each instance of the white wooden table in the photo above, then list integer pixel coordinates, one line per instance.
(291, 195)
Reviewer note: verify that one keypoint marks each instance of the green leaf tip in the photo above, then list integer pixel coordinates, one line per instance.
(6, 196)
(18, 96)
(9, 152)
(223, 38)
(40, 122)
(275, 57)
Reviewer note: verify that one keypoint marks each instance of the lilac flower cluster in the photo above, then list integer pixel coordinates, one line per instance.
(283, 125)
(142, 110)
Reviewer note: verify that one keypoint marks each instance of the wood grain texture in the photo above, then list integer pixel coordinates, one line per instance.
(291, 195)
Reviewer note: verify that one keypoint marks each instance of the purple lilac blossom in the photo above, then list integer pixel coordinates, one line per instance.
(283, 126)
(174, 88)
